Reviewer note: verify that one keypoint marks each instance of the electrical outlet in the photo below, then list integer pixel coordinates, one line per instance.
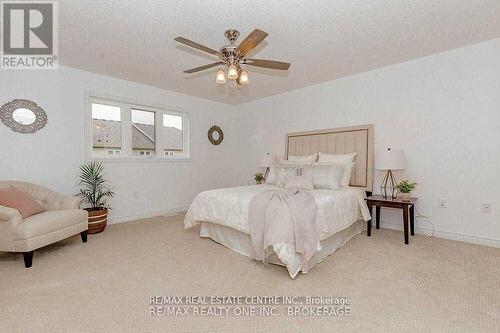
(443, 203)
(486, 207)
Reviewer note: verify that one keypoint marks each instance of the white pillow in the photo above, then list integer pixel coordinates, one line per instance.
(305, 158)
(346, 175)
(324, 176)
(299, 182)
(336, 158)
(278, 173)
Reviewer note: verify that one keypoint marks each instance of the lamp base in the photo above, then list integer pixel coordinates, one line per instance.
(266, 174)
(388, 186)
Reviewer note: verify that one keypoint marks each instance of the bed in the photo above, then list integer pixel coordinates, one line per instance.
(341, 214)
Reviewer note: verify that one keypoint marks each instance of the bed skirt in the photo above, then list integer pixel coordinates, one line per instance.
(242, 243)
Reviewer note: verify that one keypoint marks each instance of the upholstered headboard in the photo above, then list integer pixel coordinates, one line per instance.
(359, 139)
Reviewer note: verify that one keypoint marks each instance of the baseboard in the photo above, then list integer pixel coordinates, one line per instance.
(446, 235)
(145, 215)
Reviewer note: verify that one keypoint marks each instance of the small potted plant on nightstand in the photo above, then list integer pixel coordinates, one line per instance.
(259, 178)
(95, 192)
(405, 188)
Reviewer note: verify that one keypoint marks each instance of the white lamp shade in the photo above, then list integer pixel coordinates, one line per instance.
(220, 77)
(390, 159)
(232, 72)
(243, 77)
(268, 160)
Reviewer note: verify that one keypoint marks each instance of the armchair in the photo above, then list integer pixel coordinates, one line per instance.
(62, 219)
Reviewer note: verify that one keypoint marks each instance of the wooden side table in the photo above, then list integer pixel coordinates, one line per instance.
(408, 207)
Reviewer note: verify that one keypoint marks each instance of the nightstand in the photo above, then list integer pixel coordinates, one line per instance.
(408, 207)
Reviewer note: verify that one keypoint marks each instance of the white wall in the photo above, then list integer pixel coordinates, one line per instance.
(443, 110)
(52, 155)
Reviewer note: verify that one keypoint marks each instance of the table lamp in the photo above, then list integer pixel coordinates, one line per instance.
(390, 159)
(267, 161)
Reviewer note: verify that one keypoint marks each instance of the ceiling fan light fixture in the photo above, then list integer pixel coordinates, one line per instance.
(220, 77)
(243, 77)
(232, 72)
(232, 56)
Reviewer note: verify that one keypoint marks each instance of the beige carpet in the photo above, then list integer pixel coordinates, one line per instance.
(433, 285)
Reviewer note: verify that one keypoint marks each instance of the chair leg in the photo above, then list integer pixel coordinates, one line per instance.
(28, 259)
(83, 234)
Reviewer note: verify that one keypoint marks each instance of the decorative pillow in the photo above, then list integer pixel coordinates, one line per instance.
(278, 173)
(305, 158)
(299, 182)
(336, 158)
(324, 176)
(346, 176)
(20, 200)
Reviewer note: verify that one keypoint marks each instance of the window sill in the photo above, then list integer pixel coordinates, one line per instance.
(139, 159)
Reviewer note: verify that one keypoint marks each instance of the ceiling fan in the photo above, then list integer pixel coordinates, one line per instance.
(234, 56)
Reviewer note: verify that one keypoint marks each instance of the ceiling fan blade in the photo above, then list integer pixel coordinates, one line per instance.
(268, 64)
(201, 68)
(197, 46)
(251, 41)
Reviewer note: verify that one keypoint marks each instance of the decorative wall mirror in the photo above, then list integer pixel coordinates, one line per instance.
(23, 116)
(215, 135)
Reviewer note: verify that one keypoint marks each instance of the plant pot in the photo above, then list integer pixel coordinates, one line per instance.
(259, 182)
(98, 218)
(405, 196)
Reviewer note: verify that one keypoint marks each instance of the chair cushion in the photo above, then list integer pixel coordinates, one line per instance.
(20, 200)
(48, 222)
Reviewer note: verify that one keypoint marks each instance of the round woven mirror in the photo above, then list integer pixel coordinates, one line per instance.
(215, 135)
(23, 116)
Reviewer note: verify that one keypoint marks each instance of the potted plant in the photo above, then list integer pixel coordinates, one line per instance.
(95, 192)
(259, 178)
(405, 188)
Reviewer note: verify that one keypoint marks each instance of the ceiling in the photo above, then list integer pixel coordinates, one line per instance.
(323, 39)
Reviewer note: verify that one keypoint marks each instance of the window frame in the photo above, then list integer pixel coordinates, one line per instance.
(126, 107)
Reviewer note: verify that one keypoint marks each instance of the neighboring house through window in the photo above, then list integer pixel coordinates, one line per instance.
(143, 133)
(121, 130)
(114, 152)
(106, 130)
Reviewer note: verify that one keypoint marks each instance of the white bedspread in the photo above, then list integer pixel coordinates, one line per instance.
(337, 210)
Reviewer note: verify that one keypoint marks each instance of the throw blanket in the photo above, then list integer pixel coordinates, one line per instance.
(284, 217)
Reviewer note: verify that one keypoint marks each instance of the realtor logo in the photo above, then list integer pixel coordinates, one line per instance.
(29, 35)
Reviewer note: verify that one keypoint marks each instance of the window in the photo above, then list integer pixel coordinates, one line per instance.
(143, 133)
(172, 137)
(122, 130)
(114, 152)
(106, 130)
